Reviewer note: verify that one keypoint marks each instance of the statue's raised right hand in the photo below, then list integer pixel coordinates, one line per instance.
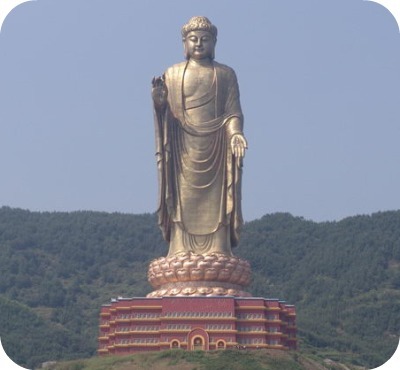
(159, 91)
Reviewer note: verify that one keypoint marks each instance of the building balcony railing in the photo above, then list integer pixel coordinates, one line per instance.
(182, 344)
(129, 345)
(164, 331)
(228, 331)
(262, 332)
(275, 321)
(134, 332)
(275, 333)
(200, 314)
(262, 308)
(135, 319)
(252, 320)
(197, 318)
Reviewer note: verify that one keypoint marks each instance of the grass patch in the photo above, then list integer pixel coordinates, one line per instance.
(199, 360)
(95, 363)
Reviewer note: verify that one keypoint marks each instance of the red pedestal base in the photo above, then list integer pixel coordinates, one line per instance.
(130, 325)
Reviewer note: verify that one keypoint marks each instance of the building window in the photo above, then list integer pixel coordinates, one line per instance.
(175, 344)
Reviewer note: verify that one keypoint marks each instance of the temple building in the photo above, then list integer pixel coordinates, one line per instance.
(130, 325)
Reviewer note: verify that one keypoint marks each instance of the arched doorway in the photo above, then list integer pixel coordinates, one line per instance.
(198, 343)
(198, 340)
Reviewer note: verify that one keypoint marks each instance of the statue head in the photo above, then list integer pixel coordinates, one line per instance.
(199, 37)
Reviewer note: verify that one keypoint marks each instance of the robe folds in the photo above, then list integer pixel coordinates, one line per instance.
(199, 178)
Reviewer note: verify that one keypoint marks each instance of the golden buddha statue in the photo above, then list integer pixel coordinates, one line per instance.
(199, 147)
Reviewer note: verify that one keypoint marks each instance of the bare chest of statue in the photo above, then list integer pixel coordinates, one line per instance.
(199, 92)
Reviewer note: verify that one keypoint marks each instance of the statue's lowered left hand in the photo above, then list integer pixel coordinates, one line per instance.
(238, 146)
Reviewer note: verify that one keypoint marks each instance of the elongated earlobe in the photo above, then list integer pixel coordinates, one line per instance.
(213, 52)
(185, 51)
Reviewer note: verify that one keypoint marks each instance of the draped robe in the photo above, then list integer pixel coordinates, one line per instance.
(199, 178)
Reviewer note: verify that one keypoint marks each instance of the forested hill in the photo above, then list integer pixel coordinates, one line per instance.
(58, 268)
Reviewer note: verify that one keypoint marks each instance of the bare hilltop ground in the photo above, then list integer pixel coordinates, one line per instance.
(213, 360)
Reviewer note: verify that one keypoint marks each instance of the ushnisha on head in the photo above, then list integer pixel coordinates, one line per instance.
(199, 24)
(199, 37)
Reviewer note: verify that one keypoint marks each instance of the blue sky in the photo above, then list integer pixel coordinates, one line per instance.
(319, 84)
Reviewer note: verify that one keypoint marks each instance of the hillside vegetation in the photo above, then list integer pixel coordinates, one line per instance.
(213, 360)
(58, 268)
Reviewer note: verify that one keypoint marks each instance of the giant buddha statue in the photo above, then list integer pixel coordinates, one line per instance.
(199, 148)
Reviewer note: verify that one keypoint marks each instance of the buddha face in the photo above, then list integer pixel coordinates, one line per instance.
(199, 45)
